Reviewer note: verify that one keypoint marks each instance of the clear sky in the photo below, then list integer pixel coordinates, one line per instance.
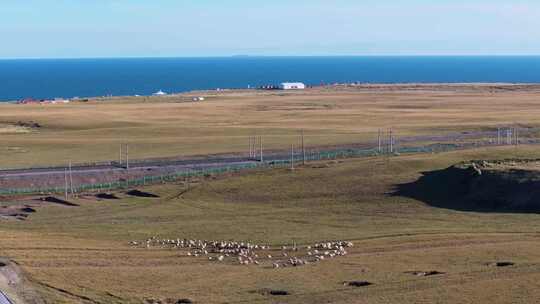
(152, 28)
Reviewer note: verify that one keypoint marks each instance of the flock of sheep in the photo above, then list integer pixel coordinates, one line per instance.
(245, 253)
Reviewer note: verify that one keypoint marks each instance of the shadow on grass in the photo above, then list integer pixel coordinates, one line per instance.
(139, 193)
(55, 200)
(462, 189)
(107, 196)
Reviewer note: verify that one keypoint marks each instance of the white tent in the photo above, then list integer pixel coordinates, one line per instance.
(159, 93)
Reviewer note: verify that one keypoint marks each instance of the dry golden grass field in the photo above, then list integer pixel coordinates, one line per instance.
(82, 254)
(169, 126)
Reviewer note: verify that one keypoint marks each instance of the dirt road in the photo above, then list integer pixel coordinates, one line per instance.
(9, 279)
(4, 299)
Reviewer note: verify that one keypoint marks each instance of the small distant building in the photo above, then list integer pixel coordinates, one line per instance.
(198, 99)
(159, 93)
(292, 86)
(60, 100)
(55, 101)
(28, 101)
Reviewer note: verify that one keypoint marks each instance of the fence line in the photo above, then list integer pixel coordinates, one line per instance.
(312, 155)
(139, 153)
(383, 146)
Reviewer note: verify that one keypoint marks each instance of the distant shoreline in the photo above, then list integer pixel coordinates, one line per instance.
(432, 86)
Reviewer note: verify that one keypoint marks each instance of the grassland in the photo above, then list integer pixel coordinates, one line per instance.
(84, 250)
(157, 127)
(82, 254)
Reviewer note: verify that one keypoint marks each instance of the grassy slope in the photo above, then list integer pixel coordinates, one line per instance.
(84, 250)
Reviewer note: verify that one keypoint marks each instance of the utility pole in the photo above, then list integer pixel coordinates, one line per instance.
(292, 157)
(255, 144)
(250, 147)
(498, 136)
(391, 141)
(303, 150)
(388, 147)
(253, 147)
(380, 140)
(120, 156)
(65, 184)
(71, 179)
(261, 146)
(127, 156)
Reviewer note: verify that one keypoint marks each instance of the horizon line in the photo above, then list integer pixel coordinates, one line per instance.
(269, 56)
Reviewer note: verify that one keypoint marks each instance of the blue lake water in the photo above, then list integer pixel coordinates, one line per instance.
(49, 78)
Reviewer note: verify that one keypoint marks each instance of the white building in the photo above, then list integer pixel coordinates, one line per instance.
(56, 101)
(292, 86)
(61, 100)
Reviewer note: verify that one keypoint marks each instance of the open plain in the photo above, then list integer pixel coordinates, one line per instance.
(155, 127)
(408, 248)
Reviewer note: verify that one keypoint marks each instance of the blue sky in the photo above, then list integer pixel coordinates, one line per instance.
(153, 28)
